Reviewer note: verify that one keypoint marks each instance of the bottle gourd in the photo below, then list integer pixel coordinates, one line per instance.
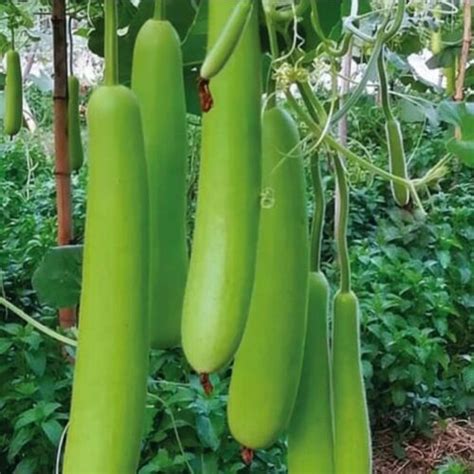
(157, 80)
(311, 431)
(352, 444)
(222, 262)
(109, 390)
(76, 152)
(267, 366)
(13, 113)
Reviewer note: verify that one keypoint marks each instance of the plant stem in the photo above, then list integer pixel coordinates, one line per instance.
(397, 22)
(41, 327)
(341, 217)
(341, 149)
(352, 100)
(111, 43)
(314, 106)
(274, 50)
(160, 10)
(318, 215)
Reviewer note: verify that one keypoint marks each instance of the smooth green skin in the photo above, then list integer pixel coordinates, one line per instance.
(109, 391)
(311, 434)
(225, 45)
(76, 152)
(352, 447)
(157, 80)
(398, 165)
(268, 364)
(13, 114)
(222, 266)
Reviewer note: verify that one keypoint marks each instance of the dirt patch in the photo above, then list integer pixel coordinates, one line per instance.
(452, 439)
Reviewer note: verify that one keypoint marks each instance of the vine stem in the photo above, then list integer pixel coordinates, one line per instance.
(40, 327)
(175, 428)
(318, 215)
(111, 46)
(341, 149)
(160, 10)
(341, 218)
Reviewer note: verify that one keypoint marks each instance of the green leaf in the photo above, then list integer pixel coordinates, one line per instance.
(53, 431)
(194, 44)
(468, 376)
(398, 396)
(5, 345)
(58, 278)
(37, 362)
(26, 466)
(20, 438)
(444, 59)
(206, 432)
(460, 114)
(464, 150)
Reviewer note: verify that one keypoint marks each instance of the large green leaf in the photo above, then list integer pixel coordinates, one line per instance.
(460, 114)
(180, 13)
(58, 278)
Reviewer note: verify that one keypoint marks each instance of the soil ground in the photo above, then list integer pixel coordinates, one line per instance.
(451, 440)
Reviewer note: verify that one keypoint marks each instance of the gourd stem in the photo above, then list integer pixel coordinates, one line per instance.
(337, 147)
(288, 14)
(274, 50)
(160, 10)
(314, 106)
(384, 89)
(341, 217)
(318, 215)
(397, 22)
(316, 22)
(111, 43)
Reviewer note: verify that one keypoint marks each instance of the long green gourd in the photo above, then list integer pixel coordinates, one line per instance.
(267, 366)
(13, 113)
(352, 446)
(394, 135)
(311, 434)
(109, 391)
(222, 263)
(157, 80)
(76, 152)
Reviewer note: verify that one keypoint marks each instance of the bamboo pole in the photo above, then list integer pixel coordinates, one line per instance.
(62, 168)
(466, 46)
